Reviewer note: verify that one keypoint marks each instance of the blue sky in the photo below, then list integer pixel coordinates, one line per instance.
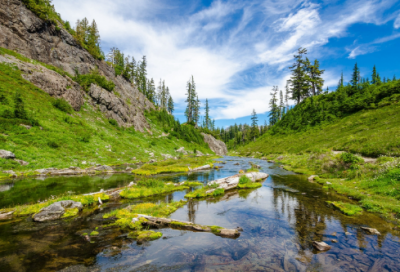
(238, 50)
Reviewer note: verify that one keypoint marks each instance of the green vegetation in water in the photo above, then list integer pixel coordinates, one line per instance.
(346, 208)
(86, 200)
(124, 216)
(173, 166)
(252, 170)
(69, 139)
(150, 187)
(246, 183)
(145, 235)
(70, 213)
(215, 229)
(94, 233)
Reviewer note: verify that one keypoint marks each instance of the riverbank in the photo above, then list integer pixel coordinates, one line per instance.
(371, 182)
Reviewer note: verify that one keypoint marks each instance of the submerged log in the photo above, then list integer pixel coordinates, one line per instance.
(204, 167)
(173, 223)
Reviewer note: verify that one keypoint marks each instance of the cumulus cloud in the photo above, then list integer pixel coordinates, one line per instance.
(236, 50)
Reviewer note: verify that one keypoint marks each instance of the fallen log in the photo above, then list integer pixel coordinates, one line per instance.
(173, 223)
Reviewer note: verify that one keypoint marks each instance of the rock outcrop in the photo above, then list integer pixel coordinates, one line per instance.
(215, 145)
(21, 30)
(56, 210)
(4, 154)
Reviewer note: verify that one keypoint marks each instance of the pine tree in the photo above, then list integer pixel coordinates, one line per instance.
(315, 77)
(196, 111)
(207, 120)
(355, 78)
(170, 105)
(374, 75)
(298, 81)
(152, 91)
(281, 105)
(287, 92)
(191, 100)
(274, 108)
(254, 127)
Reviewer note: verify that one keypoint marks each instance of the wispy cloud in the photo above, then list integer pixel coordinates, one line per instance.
(236, 50)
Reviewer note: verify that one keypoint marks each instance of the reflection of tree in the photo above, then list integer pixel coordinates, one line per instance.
(192, 207)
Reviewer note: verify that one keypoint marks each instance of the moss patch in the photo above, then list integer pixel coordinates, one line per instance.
(147, 235)
(346, 208)
(70, 213)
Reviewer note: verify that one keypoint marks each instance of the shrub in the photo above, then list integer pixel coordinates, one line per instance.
(85, 137)
(113, 122)
(62, 105)
(94, 77)
(244, 179)
(53, 144)
(350, 158)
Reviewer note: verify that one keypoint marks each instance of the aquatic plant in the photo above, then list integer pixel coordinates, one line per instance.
(147, 235)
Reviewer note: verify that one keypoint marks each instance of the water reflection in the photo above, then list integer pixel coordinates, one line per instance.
(280, 221)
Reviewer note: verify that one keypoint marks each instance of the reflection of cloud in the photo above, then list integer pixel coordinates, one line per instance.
(222, 43)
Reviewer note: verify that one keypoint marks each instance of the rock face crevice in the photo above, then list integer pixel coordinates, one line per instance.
(215, 145)
(21, 30)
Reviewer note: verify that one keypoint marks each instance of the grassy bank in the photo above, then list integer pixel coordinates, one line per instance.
(60, 137)
(174, 166)
(374, 185)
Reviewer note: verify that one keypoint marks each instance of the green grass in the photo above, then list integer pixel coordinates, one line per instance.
(62, 140)
(86, 200)
(346, 208)
(246, 183)
(174, 166)
(123, 217)
(361, 133)
(150, 187)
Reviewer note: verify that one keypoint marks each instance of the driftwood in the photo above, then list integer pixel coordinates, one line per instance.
(158, 222)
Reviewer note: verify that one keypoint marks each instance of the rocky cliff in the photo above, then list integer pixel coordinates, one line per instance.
(215, 145)
(24, 32)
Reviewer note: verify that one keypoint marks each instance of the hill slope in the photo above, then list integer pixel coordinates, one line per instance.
(60, 137)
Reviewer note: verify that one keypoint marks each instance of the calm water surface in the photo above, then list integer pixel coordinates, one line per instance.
(280, 221)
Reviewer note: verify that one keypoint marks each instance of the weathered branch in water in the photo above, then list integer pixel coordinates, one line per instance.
(157, 222)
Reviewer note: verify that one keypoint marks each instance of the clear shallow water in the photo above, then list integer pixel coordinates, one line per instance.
(278, 219)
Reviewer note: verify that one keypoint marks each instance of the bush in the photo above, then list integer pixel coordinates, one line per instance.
(113, 122)
(53, 144)
(350, 158)
(94, 77)
(244, 179)
(62, 105)
(85, 137)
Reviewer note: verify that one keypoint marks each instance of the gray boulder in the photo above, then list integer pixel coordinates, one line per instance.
(6, 154)
(56, 210)
(199, 154)
(371, 230)
(11, 173)
(21, 162)
(103, 168)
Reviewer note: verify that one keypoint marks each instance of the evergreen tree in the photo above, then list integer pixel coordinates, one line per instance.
(281, 105)
(274, 108)
(374, 75)
(170, 105)
(298, 81)
(355, 78)
(315, 77)
(191, 100)
(207, 119)
(287, 92)
(196, 111)
(254, 127)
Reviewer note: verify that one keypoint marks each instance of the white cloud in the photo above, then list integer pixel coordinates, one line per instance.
(216, 43)
(397, 22)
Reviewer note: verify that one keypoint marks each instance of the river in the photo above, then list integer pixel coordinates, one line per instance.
(280, 220)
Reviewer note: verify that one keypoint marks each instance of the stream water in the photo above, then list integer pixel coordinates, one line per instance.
(280, 221)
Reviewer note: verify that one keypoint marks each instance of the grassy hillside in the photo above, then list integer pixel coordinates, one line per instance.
(60, 137)
(367, 123)
(372, 132)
